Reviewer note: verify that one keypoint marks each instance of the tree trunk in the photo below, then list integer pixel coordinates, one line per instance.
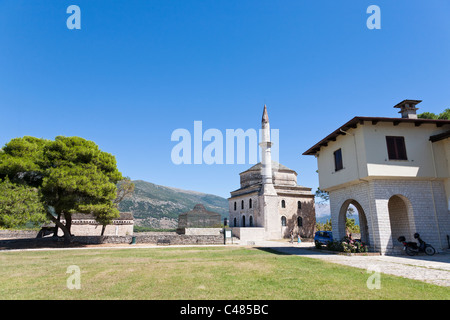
(56, 226)
(68, 218)
(103, 229)
(59, 224)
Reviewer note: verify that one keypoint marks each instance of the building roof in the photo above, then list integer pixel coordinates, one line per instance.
(87, 216)
(275, 166)
(353, 123)
(265, 116)
(407, 101)
(441, 136)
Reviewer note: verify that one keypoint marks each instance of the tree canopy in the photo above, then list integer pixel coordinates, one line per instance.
(445, 115)
(69, 174)
(19, 205)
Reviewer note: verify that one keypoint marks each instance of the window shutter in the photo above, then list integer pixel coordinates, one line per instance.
(401, 148)
(390, 141)
(396, 148)
(338, 165)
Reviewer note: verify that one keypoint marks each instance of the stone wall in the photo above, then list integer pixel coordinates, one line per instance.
(158, 238)
(95, 229)
(153, 238)
(394, 206)
(249, 234)
(18, 234)
(202, 231)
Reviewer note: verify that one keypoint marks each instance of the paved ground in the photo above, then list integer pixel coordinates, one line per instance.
(432, 269)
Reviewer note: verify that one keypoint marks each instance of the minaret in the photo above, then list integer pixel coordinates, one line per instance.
(266, 156)
(268, 198)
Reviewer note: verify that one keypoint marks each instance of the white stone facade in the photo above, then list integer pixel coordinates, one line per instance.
(391, 208)
(395, 171)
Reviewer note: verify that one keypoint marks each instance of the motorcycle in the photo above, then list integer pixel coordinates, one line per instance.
(412, 249)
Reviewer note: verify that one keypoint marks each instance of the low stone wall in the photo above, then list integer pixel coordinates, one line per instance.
(249, 233)
(202, 231)
(18, 234)
(158, 238)
(153, 238)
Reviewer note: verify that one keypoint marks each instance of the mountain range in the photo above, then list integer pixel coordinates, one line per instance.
(158, 206)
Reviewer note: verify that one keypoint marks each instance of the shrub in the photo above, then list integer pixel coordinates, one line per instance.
(345, 245)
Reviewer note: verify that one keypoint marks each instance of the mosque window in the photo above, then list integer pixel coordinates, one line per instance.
(235, 206)
(283, 221)
(283, 204)
(299, 205)
(250, 203)
(242, 204)
(300, 221)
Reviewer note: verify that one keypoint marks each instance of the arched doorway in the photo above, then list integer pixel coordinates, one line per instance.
(401, 218)
(243, 221)
(351, 209)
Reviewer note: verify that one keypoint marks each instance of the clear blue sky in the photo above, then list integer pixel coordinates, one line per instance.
(138, 70)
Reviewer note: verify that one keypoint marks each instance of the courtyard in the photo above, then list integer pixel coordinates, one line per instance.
(266, 271)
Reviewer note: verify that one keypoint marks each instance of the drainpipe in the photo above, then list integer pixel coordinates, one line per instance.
(432, 196)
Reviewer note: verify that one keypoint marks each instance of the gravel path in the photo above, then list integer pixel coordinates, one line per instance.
(432, 269)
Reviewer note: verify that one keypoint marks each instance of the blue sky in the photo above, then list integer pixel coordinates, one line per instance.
(138, 70)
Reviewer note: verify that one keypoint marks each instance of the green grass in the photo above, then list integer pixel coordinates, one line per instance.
(194, 273)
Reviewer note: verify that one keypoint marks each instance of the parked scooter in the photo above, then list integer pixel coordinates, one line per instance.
(412, 249)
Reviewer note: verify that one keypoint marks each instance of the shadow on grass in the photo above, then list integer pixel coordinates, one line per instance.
(274, 251)
(37, 243)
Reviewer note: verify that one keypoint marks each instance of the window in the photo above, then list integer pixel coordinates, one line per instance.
(250, 221)
(235, 222)
(396, 148)
(235, 206)
(283, 204)
(250, 203)
(283, 221)
(299, 205)
(300, 221)
(338, 165)
(243, 221)
(242, 204)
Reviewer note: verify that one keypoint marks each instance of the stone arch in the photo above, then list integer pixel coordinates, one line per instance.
(363, 225)
(401, 218)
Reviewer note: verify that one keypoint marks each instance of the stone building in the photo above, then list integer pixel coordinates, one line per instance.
(86, 225)
(395, 171)
(269, 203)
(198, 218)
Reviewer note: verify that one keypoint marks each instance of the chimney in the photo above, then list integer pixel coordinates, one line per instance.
(408, 108)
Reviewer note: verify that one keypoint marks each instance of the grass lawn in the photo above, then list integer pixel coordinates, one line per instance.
(217, 273)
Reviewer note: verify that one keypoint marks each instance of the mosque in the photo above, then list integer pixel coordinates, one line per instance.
(269, 204)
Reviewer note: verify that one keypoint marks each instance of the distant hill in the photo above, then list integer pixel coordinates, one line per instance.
(159, 206)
